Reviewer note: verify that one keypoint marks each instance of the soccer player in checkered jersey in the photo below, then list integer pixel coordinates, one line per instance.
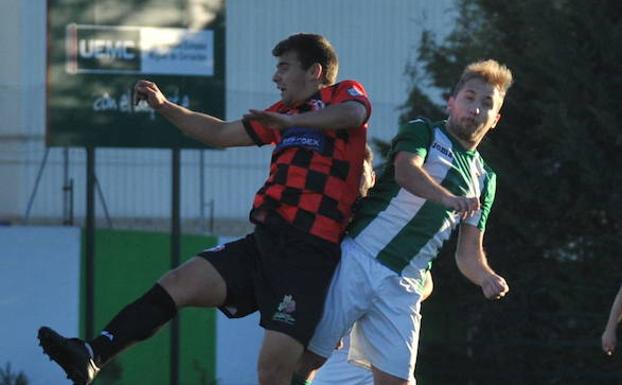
(435, 181)
(283, 269)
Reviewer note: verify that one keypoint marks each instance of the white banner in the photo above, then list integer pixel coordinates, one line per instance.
(98, 49)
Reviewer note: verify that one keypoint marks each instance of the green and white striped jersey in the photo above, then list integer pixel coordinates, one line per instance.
(404, 231)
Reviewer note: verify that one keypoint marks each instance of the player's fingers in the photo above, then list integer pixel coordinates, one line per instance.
(495, 288)
(139, 94)
(473, 205)
(134, 97)
(251, 116)
(151, 88)
(143, 84)
(461, 207)
(255, 114)
(502, 288)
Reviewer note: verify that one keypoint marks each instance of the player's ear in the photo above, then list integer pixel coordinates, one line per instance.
(497, 118)
(315, 71)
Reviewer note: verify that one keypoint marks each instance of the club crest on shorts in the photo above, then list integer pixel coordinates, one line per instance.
(285, 310)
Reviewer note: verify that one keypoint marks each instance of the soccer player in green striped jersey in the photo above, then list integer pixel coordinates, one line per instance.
(435, 181)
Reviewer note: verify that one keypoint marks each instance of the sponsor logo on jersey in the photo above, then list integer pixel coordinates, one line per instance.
(443, 150)
(310, 138)
(355, 91)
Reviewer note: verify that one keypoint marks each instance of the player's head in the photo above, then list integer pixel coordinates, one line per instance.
(477, 99)
(311, 49)
(368, 177)
(491, 72)
(305, 63)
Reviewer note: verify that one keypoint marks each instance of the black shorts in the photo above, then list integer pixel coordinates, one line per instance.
(281, 271)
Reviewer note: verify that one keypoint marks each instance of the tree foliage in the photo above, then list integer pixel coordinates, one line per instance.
(7, 377)
(556, 228)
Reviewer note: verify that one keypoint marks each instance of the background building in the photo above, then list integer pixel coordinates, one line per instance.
(375, 40)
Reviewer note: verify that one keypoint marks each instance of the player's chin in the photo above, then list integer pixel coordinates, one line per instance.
(285, 99)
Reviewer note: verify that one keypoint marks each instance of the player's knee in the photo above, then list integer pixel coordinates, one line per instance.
(273, 374)
(309, 362)
(172, 283)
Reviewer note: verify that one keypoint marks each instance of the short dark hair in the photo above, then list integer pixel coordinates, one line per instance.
(311, 49)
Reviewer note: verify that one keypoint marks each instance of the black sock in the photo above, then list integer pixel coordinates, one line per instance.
(136, 322)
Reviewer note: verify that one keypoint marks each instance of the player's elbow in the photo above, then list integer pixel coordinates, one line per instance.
(353, 115)
(400, 178)
(220, 135)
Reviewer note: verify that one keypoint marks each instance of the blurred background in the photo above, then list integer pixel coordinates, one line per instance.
(555, 231)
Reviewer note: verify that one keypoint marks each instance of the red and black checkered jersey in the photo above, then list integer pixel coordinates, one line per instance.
(314, 173)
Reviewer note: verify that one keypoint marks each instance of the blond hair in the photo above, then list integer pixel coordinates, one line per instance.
(490, 71)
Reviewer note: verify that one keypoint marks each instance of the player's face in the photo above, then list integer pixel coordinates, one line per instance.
(293, 81)
(474, 111)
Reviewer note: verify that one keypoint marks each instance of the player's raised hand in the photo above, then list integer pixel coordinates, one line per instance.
(465, 206)
(609, 341)
(494, 287)
(273, 120)
(150, 93)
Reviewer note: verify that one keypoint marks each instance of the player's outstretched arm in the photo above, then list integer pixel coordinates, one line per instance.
(609, 339)
(334, 117)
(410, 175)
(472, 262)
(202, 127)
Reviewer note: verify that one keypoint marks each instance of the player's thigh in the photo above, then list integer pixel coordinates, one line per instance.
(389, 343)
(348, 299)
(292, 278)
(195, 283)
(215, 276)
(337, 370)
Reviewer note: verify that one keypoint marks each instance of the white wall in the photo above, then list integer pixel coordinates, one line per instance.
(39, 285)
(374, 39)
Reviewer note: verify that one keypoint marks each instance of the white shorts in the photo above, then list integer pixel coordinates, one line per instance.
(337, 370)
(382, 306)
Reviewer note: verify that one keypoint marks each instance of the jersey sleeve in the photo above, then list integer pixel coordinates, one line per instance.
(351, 90)
(414, 137)
(259, 133)
(486, 200)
